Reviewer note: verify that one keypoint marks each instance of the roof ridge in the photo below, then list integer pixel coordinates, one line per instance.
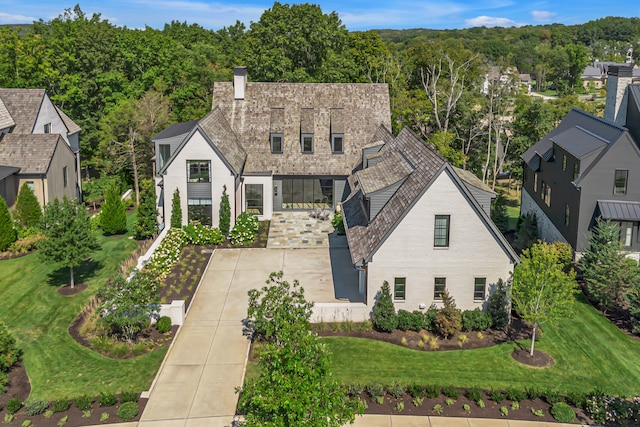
(600, 119)
(595, 135)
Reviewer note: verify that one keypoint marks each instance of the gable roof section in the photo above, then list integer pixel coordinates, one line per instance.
(6, 171)
(32, 153)
(6, 121)
(176, 129)
(363, 106)
(387, 172)
(471, 179)
(23, 106)
(606, 131)
(71, 126)
(633, 112)
(579, 141)
(217, 132)
(365, 238)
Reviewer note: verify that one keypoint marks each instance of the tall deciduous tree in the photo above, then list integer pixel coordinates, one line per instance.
(542, 292)
(8, 233)
(146, 225)
(295, 386)
(28, 212)
(608, 272)
(68, 238)
(113, 214)
(176, 210)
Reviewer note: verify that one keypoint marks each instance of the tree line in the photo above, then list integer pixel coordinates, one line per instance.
(122, 85)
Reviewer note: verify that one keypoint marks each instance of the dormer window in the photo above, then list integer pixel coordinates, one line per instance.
(306, 139)
(337, 130)
(337, 143)
(306, 130)
(276, 143)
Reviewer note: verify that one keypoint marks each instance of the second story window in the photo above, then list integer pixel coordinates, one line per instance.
(165, 153)
(546, 193)
(198, 171)
(576, 169)
(441, 231)
(567, 215)
(620, 183)
(47, 128)
(306, 130)
(276, 143)
(564, 162)
(306, 139)
(535, 182)
(337, 143)
(64, 177)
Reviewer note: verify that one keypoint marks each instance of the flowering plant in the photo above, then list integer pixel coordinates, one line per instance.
(245, 230)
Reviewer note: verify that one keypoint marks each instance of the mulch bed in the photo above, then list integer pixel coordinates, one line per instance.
(68, 290)
(538, 360)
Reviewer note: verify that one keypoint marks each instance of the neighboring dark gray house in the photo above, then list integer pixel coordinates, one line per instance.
(589, 167)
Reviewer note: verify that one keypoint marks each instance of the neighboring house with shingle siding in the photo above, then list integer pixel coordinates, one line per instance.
(588, 167)
(412, 221)
(276, 147)
(31, 128)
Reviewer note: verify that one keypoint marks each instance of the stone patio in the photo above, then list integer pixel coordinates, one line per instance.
(298, 230)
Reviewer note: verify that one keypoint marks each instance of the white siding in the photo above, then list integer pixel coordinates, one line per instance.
(267, 194)
(409, 252)
(49, 114)
(197, 148)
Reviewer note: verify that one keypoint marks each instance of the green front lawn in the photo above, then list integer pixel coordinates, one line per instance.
(588, 350)
(39, 318)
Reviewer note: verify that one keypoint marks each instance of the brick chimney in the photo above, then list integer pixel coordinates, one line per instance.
(239, 82)
(618, 78)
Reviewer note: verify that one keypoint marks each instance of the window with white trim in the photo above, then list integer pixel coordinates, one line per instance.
(198, 170)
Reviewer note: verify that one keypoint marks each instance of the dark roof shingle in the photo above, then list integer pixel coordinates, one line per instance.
(23, 105)
(31, 152)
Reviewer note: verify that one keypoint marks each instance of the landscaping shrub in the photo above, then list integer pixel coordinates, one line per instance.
(113, 213)
(245, 230)
(552, 397)
(448, 319)
(27, 212)
(432, 391)
(35, 406)
(128, 411)
(562, 412)
(416, 390)
(176, 210)
(14, 405)
(163, 324)
(202, 235)
(8, 233)
(577, 399)
(375, 391)
(516, 394)
(429, 319)
(83, 402)
(608, 410)
(533, 392)
(498, 307)
(26, 244)
(225, 212)
(405, 320)
(451, 392)
(337, 223)
(9, 351)
(167, 254)
(474, 394)
(60, 405)
(496, 395)
(475, 320)
(396, 390)
(384, 313)
(107, 399)
(355, 390)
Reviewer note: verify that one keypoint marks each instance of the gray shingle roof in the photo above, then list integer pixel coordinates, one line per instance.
(471, 179)
(365, 238)
(23, 105)
(619, 210)
(72, 127)
(388, 171)
(176, 129)
(6, 121)
(217, 129)
(31, 152)
(364, 108)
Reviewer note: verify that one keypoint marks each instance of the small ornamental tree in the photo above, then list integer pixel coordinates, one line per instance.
(498, 307)
(9, 351)
(526, 231)
(146, 225)
(113, 214)
(541, 291)
(225, 212)
(68, 239)
(295, 386)
(384, 317)
(449, 318)
(28, 212)
(8, 233)
(176, 210)
(499, 213)
(606, 270)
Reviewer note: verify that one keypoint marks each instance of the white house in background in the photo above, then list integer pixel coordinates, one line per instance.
(39, 145)
(412, 221)
(275, 146)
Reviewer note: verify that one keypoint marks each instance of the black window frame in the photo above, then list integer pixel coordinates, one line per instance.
(47, 128)
(65, 180)
(199, 208)
(303, 136)
(576, 169)
(200, 163)
(273, 136)
(479, 294)
(334, 136)
(164, 153)
(567, 215)
(626, 225)
(440, 241)
(247, 206)
(439, 288)
(400, 289)
(616, 178)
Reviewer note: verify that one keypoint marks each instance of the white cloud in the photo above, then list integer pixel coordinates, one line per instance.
(490, 21)
(542, 15)
(7, 18)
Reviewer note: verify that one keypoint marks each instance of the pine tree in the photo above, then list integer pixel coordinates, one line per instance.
(68, 238)
(28, 212)
(8, 233)
(449, 318)
(498, 307)
(176, 210)
(526, 231)
(113, 215)
(499, 213)
(225, 212)
(146, 225)
(385, 318)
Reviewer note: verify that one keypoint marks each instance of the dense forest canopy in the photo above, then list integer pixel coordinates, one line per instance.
(122, 86)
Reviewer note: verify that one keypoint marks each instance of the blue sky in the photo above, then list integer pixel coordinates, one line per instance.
(355, 14)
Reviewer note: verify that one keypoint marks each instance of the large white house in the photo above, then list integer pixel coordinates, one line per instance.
(413, 222)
